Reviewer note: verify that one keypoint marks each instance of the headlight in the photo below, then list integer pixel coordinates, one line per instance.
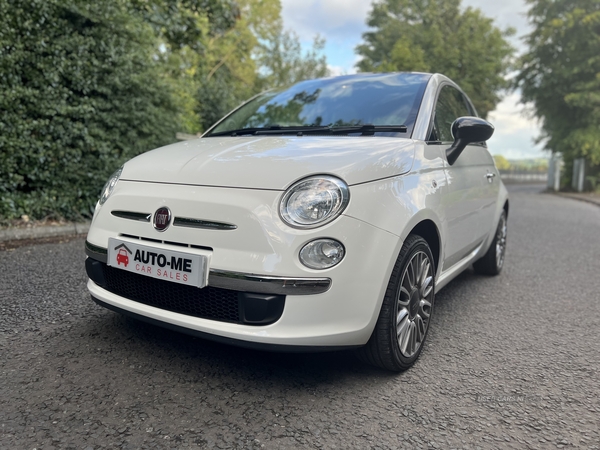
(110, 185)
(314, 201)
(322, 254)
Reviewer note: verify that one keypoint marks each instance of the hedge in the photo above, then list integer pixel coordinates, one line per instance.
(81, 91)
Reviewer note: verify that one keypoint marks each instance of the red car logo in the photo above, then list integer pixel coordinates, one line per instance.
(122, 257)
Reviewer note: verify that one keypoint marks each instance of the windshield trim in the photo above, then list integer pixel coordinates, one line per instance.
(363, 130)
(273, 130)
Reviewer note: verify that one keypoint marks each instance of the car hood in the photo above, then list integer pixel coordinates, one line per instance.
(272, 162)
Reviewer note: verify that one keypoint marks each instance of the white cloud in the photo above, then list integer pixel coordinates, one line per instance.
(335, 71)
(515, 130)
(507, 13)
(340, 22)
(337, 20)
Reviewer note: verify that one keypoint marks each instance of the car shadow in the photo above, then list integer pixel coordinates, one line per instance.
(188, 354)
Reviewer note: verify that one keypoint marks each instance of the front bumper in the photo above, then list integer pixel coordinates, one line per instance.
(332, 308)
(245, 282)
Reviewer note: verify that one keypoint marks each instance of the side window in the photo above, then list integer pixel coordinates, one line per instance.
(450, 105)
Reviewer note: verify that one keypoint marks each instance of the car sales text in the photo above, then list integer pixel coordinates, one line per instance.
(157, 259)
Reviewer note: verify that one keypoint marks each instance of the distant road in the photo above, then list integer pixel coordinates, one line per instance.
(511, 362)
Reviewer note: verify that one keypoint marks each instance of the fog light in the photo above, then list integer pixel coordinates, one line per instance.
(322, 254)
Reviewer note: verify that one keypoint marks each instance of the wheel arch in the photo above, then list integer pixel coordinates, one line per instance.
(428, 230)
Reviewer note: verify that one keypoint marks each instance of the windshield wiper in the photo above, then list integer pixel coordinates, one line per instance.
(275, 129)
(365, 130)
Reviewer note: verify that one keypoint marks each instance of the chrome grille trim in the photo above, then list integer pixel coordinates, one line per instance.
(245, 282)
(204, 224)
(131, 215)
(265, 284)
(177, 222)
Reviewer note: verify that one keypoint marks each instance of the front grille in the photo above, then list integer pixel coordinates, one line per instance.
(206, 303)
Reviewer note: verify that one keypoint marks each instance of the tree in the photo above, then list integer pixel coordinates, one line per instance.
(560, 75)
(81, 93)
(501, 162)
(281, 60)
(186, 23)
(87, 84)
(436, 36)
(255, 55)
(186, 32)
(227, 74)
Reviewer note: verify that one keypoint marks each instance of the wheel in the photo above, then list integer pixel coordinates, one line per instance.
(403, 322)
(491, 263)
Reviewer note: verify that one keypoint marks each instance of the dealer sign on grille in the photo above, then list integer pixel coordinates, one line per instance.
(158, 262)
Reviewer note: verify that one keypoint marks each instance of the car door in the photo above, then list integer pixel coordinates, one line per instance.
(465, 198)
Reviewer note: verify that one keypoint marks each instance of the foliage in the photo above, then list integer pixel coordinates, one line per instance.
(535, 165)
(283, 63)
(186, 23)
(501, 162)
(185, 33)
(287, 113)
(88, 84)
(560, 75)
(255, 55)
(226, 74)
(436, 36)
(81, 93)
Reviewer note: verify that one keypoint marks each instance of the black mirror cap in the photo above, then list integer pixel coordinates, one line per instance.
(472, 129)
(467, 130)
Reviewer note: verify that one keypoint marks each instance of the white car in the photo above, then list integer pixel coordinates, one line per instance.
(319, 217)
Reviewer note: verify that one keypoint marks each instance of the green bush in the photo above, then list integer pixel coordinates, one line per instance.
(81, 91)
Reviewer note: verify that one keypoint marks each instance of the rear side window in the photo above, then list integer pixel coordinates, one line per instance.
(451, 105)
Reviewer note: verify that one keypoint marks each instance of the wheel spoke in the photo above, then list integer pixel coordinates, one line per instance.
(413, 338)
(418, 329)
(404, 336)
(426, 289)
(421, 327)
(403, 302)
(425, 309)
(401, 323)
(417, 268)
(424, 271)
(402, 314)
(410, 275)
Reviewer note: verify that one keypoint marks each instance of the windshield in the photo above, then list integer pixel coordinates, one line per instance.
(353, 100)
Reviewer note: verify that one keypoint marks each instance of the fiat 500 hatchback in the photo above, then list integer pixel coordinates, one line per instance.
(318, 217)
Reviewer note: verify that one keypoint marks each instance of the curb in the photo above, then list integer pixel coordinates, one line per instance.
(581, 198)
(18, 234)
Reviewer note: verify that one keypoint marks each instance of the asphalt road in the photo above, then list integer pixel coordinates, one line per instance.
(511, 362)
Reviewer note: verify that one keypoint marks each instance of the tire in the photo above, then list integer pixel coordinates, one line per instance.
(403, 322)
(492, 262)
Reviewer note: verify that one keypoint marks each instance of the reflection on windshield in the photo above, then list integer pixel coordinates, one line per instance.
(287, 113)
(374, 99)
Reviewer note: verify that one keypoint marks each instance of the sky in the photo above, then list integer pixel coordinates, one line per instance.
(342, 22)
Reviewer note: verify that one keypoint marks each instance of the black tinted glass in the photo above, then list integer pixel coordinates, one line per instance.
(373, 99)
(450, 106)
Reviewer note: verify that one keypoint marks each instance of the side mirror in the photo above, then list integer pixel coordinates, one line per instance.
(467, 130)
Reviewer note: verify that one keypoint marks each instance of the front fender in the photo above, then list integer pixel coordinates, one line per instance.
(397, 205)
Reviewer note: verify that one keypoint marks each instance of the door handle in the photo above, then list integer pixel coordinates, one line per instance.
(490, 176)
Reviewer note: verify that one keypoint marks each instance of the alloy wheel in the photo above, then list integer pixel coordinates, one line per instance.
(414, 303)
(501, 241)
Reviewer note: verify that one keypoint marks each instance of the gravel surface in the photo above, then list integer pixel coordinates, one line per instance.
(510, 362)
